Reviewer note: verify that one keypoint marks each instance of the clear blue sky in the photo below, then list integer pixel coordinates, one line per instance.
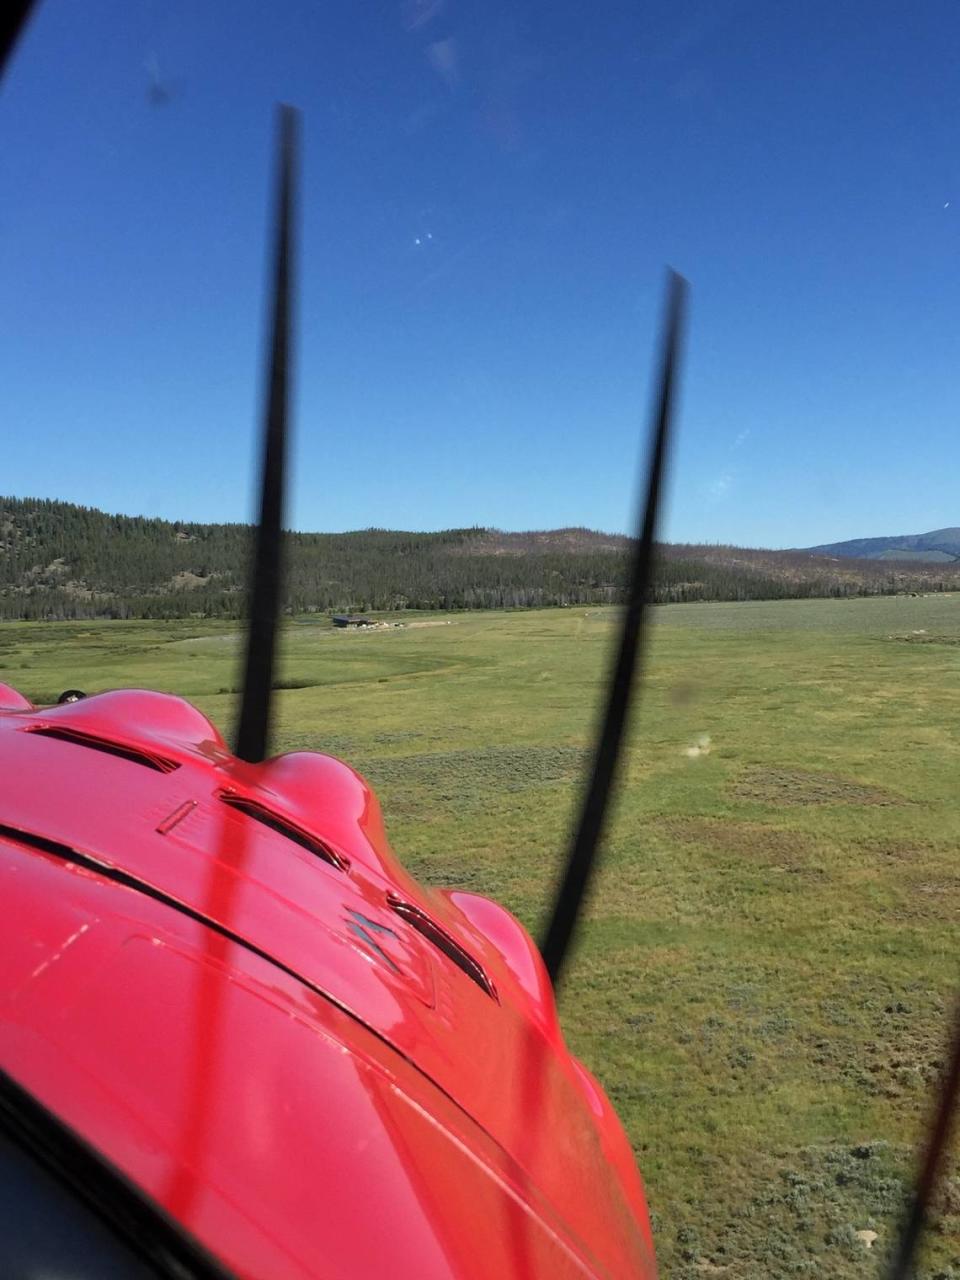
(491, 193)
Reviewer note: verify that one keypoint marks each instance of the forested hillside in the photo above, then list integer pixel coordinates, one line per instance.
(58, 560)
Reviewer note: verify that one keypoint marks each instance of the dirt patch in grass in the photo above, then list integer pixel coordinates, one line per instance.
(937, 886)
(472, 778)
(754, 841)
(802, 786)
(921, 637)
(886, 852)
(444, 875)
(929, 896)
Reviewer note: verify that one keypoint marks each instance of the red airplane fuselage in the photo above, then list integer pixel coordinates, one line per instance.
(218, 975)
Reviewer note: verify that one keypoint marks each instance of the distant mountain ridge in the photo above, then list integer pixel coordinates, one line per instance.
(62, 561)
(940, 546)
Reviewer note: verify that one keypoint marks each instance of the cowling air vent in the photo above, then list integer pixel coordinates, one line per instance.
(443, 942)
(92, 741)
(283, 826)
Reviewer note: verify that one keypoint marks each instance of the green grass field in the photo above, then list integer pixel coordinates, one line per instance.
(767, 965)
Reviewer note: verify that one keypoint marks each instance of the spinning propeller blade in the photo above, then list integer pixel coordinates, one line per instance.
(265, 579)
(13, 20)
(584, 849)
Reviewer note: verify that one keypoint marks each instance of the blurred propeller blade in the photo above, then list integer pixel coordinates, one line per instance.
(265, 581)
(584, 848)
(13, 19)
(937, 1145)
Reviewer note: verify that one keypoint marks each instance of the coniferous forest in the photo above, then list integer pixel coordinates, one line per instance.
(61, 561)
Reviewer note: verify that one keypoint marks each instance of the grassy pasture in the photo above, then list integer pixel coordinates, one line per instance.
(767, 964)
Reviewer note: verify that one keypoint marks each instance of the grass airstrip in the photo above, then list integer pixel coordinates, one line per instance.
(765, 973)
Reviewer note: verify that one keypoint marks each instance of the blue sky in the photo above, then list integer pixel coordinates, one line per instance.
(491, 193)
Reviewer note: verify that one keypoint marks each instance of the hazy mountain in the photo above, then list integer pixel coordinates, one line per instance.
(940, 546)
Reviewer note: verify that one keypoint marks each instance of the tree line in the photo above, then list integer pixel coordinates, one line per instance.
(62, 561)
